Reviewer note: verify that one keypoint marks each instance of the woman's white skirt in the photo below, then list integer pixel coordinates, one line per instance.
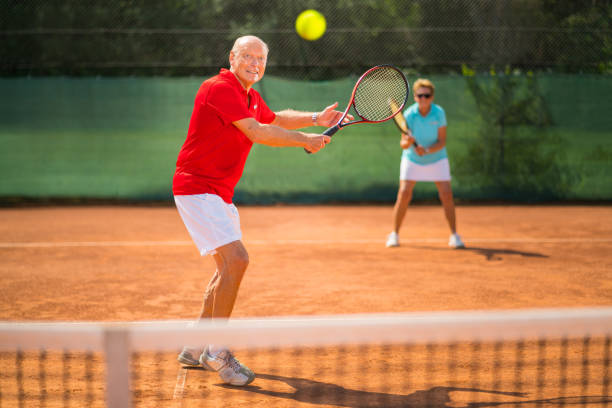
(437, 171)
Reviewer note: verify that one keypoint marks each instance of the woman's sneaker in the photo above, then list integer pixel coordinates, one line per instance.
(455, 241)
(229, 368)
(393, 240)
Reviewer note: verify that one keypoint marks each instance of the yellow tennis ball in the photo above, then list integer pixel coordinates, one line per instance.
(310, 25)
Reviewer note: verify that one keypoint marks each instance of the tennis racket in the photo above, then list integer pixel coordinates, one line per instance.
(400, 122)
(379, 94)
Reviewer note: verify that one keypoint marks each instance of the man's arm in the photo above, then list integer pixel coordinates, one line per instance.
(272, 135)
(291, 119)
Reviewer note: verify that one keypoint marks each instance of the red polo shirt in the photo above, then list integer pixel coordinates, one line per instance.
(213, 156)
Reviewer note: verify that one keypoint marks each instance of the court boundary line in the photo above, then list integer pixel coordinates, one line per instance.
(179, 387)
(526, 240)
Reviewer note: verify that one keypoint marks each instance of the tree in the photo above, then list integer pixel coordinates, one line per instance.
(513, 153)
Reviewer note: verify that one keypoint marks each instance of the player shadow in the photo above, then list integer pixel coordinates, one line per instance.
(494, 254)
(321, 393)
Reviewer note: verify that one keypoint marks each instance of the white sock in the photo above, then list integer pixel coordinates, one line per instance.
(193, 349)
(214, 350)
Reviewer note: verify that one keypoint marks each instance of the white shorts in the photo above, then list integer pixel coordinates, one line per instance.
(437, 171)
(211, 222)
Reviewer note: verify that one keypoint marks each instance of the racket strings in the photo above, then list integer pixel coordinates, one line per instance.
(380, 94)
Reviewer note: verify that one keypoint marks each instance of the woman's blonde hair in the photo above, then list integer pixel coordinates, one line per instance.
(423, 83)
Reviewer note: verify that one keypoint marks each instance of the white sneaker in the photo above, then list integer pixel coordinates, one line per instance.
(229, 368)
(393, 240)
(188, 357)
(455, 241)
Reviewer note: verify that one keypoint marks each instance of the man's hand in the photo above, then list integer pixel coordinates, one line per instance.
(316, 142)
(328, 117)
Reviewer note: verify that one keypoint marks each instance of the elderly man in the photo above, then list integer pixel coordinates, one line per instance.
(228, 117)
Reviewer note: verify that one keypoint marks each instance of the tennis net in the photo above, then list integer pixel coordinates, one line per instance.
(557, 357)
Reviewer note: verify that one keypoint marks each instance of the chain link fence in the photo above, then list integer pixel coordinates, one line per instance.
(88, 85)
(192, 37)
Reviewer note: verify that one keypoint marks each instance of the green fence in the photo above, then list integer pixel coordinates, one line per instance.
(118, 138)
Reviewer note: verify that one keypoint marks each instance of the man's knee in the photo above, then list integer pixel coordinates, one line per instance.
(236, 262)
(240, 261)
(232, 256)
(234, 268)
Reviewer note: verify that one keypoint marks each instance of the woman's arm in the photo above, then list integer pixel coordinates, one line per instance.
(439, 145)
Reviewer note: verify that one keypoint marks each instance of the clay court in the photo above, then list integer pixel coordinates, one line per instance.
(138, 263)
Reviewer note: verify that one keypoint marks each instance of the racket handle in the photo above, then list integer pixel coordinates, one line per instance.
(328, 132)
(331, 131)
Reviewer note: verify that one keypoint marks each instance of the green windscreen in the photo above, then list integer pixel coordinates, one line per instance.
(518, 138)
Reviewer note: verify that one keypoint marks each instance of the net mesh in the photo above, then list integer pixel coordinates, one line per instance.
(378, 91)
(525, 358)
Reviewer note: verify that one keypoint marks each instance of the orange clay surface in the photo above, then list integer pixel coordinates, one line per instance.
(138, 263)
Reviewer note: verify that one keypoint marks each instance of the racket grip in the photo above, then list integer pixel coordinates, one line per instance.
(328, 132)
(331, 131)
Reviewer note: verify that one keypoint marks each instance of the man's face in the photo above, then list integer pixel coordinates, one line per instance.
(248, 62)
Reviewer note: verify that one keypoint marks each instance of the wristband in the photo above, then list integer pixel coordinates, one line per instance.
(315, 117)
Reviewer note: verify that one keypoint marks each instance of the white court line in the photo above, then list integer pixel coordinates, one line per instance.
(298, 242)
(91, 244)
(179, 387)
(426, 240)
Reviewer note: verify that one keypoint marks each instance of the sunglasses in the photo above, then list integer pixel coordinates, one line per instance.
(426, 96)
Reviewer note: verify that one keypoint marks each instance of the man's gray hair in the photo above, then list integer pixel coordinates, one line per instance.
(245, 38)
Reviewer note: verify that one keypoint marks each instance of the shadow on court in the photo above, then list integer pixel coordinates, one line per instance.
(321, 393)
(491, 254)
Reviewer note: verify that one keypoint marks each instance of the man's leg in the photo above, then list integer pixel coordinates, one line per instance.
(221, 292)
(232, 261)
(209, 297)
